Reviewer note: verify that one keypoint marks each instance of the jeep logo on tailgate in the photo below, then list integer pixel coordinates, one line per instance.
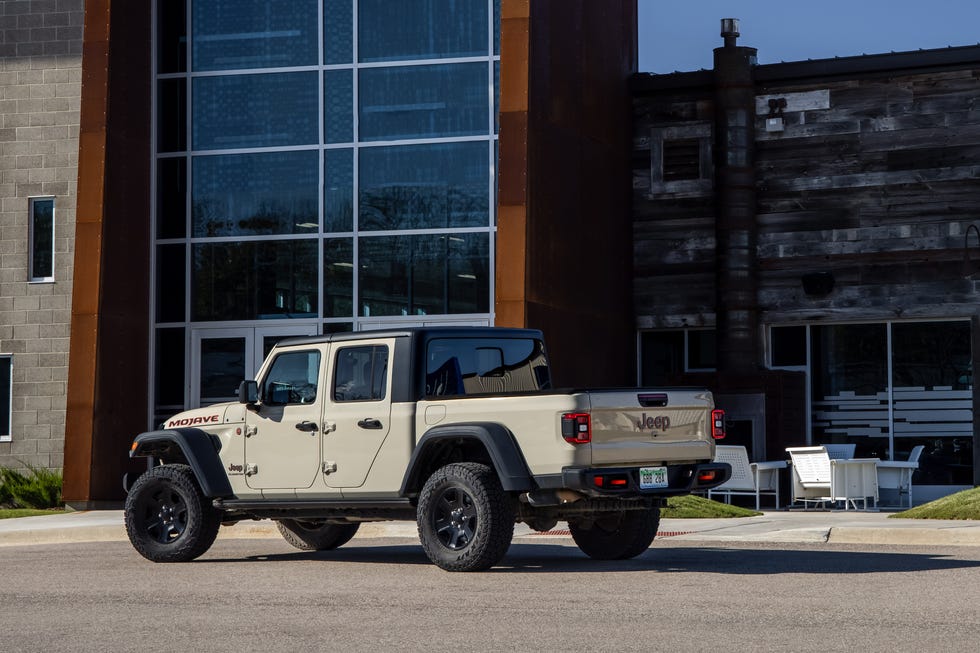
(658, 423)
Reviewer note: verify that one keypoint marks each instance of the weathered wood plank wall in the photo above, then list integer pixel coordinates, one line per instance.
(874, 178)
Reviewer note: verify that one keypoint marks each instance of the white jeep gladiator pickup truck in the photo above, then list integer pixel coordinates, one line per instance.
(455, 428)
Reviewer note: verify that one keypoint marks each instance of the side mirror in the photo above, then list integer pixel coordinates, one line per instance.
(248, 392)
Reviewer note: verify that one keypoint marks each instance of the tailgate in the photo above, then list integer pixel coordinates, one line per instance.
(651, 426)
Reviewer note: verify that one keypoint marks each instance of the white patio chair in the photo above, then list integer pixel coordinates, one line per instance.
(897, 474)
(748, 479)
(855, 480)
(811, 475)
(840, 451)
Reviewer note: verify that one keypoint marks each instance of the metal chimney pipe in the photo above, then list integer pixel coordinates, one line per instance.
(736, 232)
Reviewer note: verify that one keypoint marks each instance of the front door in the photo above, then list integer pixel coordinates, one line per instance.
(358, 412)
(282, 432)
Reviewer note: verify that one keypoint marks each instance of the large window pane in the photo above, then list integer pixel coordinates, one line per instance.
(424, 186)
(171, 273)
(222, 368)
(256, 110)
(338, 175)
(933, 394)
(171, 198)
(255, 194)
(423, 101)
(338, 103)
(421, 29)
(254, 280)
(424, 275)
(850, 386)
(230, 34)
(172, 37)
(338, 31)
(170, 369)
(172, 115)
(338, 277)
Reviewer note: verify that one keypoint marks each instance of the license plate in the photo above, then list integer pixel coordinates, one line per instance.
(653, 477)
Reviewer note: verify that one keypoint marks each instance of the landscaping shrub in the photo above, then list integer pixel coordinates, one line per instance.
(37, 488)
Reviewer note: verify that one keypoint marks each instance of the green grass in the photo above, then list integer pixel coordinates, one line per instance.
(695, 507)
(962, 505)
(37, 488)
(12, 513)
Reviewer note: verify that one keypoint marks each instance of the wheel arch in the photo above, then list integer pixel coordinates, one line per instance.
(193, 447)
(485, 442)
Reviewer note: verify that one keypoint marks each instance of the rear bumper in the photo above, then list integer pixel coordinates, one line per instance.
(681, 479)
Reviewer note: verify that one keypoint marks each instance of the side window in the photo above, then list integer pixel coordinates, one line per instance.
(292, 378)
(361, 373)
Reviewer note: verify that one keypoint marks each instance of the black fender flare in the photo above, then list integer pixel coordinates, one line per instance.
(496, 438)
(199, 450)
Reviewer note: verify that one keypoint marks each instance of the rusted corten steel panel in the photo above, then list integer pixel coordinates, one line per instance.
(574, 194)
(108, 370)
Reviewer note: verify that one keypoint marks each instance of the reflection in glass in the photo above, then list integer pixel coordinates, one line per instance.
(423, 101)
(255, 194)
(424, 275)
(338, 176)
(338, 102)
(222, 368)
(338, 277)
(254, 280)
(338, 31)
(850, 387)
(255, 110)
(421, 29)
(468, 366)
(424, 186)
(42, 239)
(234, 34)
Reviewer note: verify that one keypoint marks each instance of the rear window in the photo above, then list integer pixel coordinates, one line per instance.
(471, 366)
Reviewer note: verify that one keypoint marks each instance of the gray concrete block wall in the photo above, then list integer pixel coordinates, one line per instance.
(40, 90)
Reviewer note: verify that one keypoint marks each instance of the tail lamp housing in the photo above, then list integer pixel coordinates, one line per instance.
(576, 428)
(718, 424)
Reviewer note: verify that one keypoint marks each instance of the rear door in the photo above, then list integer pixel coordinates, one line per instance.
(357, 417)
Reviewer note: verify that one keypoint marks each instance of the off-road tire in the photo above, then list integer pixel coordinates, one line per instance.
(314, 535)
(465, 519)
(617, 536)
(168, 518)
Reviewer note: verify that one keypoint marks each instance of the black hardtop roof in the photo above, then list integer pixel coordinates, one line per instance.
(417, 332)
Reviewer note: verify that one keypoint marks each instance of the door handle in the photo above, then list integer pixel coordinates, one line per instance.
(370, 423)
(306, 426)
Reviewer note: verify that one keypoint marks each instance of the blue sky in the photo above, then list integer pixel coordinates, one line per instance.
(681, 35)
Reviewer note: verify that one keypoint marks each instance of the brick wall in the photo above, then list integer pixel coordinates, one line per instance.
(40, 74)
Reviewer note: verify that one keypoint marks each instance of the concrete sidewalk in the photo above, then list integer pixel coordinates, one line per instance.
(779, 526)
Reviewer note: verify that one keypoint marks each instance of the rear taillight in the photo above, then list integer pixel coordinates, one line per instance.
(717, 424)
(576, 428)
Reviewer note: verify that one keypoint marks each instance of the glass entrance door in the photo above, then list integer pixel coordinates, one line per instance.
(222, 358)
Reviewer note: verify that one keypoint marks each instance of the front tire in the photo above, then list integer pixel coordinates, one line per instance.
(617, 536)
(314, 535)
(168, 518)
(465, 519)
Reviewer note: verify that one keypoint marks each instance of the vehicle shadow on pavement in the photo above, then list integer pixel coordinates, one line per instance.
(553, 558)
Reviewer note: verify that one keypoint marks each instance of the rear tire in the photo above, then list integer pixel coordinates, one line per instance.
(618, 535)
(314, 535)
(465, 519)
(168, 518)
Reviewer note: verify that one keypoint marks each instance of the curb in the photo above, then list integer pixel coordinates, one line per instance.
(953, 536)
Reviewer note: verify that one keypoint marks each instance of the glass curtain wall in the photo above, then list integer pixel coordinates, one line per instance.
(329, 163)
(887, 388)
